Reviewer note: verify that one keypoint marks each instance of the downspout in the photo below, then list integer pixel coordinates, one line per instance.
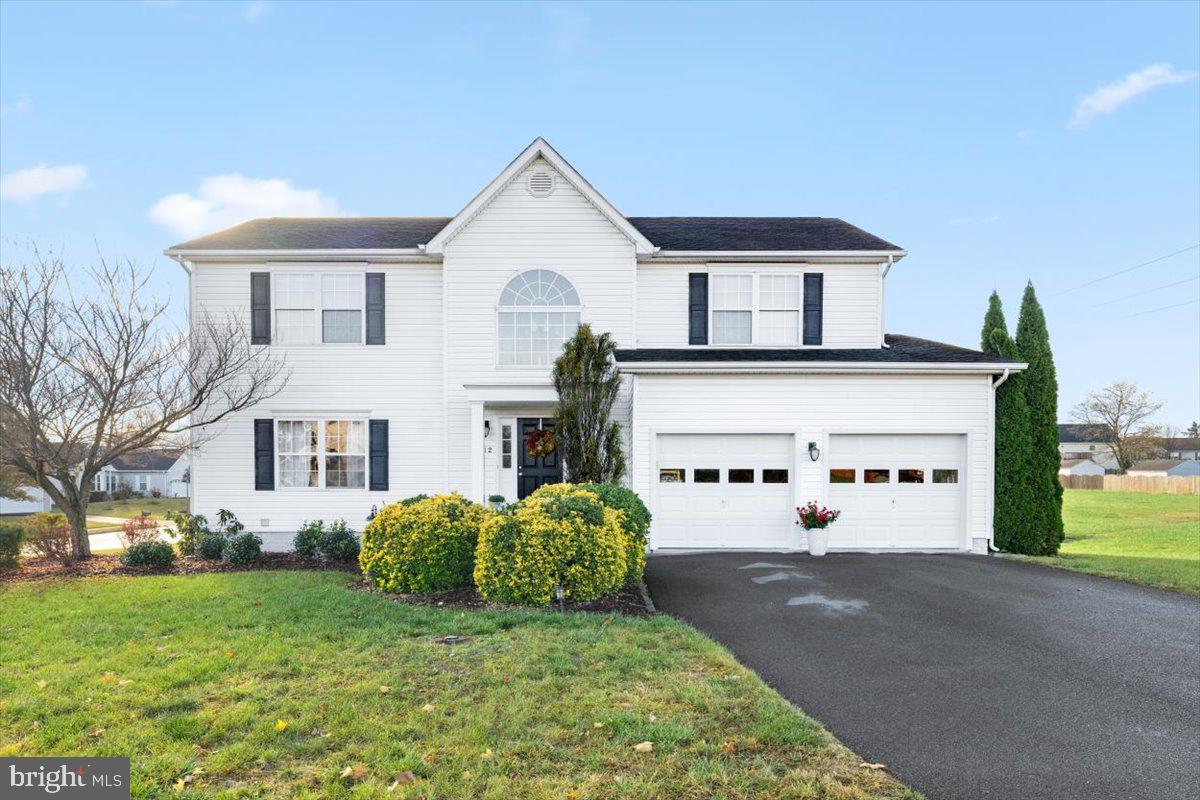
(190, 451)
(992, 494)
(883, 277)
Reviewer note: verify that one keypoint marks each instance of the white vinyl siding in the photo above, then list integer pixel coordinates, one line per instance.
(852, 301)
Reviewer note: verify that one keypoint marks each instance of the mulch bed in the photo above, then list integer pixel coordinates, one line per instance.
(629, 601)
(37, 569)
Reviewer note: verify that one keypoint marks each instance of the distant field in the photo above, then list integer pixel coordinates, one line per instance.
(1147, 538)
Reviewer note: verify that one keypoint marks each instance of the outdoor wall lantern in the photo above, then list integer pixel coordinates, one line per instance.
(814, 452)
(487, 428)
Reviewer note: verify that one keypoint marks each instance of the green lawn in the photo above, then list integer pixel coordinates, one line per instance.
(134, 506)
(93, 527)
(1147, 538)
(271, 684)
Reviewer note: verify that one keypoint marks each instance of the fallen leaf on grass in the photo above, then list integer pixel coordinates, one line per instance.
(108, 677)
(644, 747)
(427, 707)
(355, 772)
(653, 718)
(384, 689)
(124, 682)
(229, 654)
(404, 777)
(728, 747)
(597, 724)
(96, 733)
(486, 755)
(281, 725)
(41, 684)
(866, 765)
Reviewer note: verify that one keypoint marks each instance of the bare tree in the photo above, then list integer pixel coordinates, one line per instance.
(89, 376)
(1123, 411)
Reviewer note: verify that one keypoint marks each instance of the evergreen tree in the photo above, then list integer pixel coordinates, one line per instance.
(992, 320)
(587, 382)
(1016, 529)
(1041, 396)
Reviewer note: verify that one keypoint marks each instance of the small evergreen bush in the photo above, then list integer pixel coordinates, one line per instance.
(422, 544)
(338, 542)
(560, 535)
(635, 521)
(148, 554)
(242, 548)
(11, 537)
(308, 538)
(211, 545)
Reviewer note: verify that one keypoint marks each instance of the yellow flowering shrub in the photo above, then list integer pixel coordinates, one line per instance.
(560, 535)
(422, 545)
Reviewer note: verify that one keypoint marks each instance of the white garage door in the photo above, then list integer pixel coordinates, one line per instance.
(724, 491)
(897, 491)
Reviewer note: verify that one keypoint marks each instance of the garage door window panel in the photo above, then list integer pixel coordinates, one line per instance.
(741, 476)
(841, 476)
(706, 476)
(877, 476)
(671, 475)
(945, 476)
(910, 476)
(775, 476)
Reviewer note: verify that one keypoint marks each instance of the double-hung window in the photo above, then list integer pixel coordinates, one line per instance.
(755, 309)
(322, 307)
(315, 453)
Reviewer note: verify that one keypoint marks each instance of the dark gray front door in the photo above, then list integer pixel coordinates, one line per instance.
(533, 471)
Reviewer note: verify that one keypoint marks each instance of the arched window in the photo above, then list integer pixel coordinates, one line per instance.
(539, 310)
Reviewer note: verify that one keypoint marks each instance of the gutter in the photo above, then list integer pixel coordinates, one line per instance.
(739, 367)
(992, 494)
(341, 254)
(775, 255)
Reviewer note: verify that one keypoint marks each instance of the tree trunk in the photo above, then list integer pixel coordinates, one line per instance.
(81, 546)
(72, 500)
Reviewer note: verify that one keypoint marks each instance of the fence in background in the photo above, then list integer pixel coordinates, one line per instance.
(1146, 484)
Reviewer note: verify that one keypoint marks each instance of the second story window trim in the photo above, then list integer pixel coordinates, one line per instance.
(318, 307)
(749, 309)
(538, 310)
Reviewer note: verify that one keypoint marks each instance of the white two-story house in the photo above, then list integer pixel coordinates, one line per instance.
(757, 374)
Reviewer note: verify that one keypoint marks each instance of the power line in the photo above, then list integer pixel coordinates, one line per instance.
(1148, 291)
(1127, 269)
(1153, 310)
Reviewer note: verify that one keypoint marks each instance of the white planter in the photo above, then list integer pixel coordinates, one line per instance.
(818, 541)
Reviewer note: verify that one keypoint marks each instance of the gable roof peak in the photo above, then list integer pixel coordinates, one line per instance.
(539, 148)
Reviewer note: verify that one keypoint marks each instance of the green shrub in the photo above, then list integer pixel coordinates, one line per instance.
(11, 537)
(148, 554)
(227, 523)
(48, 534)
(211, 545)
(338, 542)
(191, 527)
(242, 548)
(422, 545)
(416, 498)
(308, 538)
(560, 535)
(635, 521)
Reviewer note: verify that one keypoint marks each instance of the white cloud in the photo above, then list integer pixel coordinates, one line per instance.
(1024, 136)
(256, 10)
(17, 108)
(990, 219)
(225, 200)
(1110, 97)
(28, 183)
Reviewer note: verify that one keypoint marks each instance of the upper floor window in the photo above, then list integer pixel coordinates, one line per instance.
(538, 312)
(318, 307)
(749, 308)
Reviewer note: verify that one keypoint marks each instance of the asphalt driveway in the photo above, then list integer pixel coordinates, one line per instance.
(971, 677)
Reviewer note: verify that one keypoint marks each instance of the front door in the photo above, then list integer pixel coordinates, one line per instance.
(533, 471)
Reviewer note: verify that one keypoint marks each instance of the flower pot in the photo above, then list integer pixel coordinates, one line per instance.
(818, 541)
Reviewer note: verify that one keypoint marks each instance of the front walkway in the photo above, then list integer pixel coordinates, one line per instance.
(970, 677)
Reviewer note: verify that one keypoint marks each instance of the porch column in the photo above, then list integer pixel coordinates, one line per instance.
(477, 475)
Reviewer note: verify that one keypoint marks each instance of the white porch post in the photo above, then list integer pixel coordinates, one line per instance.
(477, 475)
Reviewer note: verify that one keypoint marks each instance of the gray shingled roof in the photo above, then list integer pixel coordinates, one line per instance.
(1074, 433)
(667, 233)
(1155, 464)
(900, 350)
(146, 461)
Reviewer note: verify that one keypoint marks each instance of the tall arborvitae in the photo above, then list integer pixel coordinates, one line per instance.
(1041, 395)
(993, 319)
(1016, 530)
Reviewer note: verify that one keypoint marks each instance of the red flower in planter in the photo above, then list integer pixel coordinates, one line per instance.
(810, 516)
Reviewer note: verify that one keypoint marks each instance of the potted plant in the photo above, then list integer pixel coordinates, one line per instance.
(496, 501)
(815, 520)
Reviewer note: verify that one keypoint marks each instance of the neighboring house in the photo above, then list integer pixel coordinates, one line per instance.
(146, 472)
(38, 501)
(757, 374)
(1080, 466)
(1076, 440)
(1168, 467)
(1185, 449)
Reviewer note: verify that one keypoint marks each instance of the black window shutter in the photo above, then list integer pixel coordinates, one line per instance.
(264, 455)
(260, 308)
(379, 454)
(814, 283)
(697, 308)
(375, 308)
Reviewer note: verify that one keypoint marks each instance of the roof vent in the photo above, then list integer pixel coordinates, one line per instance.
(540, 184)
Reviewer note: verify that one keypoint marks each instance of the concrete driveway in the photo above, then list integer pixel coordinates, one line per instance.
(971, 677)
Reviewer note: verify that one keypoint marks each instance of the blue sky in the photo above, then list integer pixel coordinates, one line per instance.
(997, 143)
